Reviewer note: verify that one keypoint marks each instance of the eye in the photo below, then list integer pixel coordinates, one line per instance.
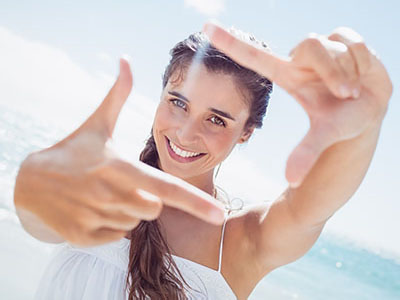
(178, 103)
(218, 121)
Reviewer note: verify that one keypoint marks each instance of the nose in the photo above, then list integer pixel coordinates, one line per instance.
(188, 133)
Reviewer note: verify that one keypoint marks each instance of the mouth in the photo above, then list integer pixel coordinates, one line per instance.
(181, 155)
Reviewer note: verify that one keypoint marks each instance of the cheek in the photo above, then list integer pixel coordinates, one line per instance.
(164, 119)
(222, 144)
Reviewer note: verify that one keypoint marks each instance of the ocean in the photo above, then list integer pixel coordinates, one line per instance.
(334, 269)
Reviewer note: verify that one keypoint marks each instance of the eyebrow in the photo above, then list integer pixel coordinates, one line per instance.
(214, 110)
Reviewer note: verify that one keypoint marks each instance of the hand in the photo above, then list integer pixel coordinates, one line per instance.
(88, 195)
(341, 85)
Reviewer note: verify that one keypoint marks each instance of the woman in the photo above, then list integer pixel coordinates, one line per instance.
(79, 191)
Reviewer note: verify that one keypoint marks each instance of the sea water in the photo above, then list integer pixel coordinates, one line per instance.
(332, 269)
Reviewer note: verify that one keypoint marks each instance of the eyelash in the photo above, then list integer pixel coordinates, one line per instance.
(175, 101)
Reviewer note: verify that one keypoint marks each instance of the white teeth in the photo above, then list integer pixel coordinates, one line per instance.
(182, 153)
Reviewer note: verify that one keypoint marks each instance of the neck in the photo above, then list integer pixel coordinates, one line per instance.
(204, 182)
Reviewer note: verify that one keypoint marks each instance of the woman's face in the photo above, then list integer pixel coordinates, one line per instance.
(198, 122)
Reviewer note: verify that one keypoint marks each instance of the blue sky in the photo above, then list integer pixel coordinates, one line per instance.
(70, 49)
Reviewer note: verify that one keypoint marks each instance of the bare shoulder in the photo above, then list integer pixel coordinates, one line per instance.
(263, 237)
(276, 235)
(238, 264)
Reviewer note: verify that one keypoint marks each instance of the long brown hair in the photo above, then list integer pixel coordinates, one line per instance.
(149, 252)
(152, 272)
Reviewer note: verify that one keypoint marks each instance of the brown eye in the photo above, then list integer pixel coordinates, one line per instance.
(217, 121)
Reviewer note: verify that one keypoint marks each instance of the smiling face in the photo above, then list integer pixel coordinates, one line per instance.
(198, 122)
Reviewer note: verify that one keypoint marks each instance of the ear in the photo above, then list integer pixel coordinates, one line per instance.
(246, 135)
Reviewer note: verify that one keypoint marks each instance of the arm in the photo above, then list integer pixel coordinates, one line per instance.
(80, 191)
(291, 225)
(345, 90)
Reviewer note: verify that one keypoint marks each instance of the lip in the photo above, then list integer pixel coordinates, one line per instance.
(179, 158)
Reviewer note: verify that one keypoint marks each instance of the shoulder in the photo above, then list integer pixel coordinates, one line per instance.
(275, 236)
(239, 264)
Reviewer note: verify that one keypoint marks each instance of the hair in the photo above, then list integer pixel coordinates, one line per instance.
(151, 266)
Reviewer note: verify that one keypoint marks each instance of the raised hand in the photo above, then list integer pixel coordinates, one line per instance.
(340, 83)
(84, 192)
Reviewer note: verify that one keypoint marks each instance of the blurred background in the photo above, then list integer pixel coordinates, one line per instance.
(59, 58)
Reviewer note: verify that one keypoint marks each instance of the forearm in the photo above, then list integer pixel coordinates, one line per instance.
(334, 178)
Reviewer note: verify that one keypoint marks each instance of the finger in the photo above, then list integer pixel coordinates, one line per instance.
(171, 190)
(88, 219)
(356, 45)
(108, 196)
(307, 152)
(314, 53)
(258, 59)
(106, 115)
(103, 236)
(349, 66)
(118, 221)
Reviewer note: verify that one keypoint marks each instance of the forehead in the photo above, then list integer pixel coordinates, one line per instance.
(210, 89)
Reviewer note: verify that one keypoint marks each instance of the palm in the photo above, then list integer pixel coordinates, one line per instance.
(329, 115)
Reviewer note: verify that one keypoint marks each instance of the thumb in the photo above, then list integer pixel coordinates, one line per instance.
(306, 153)
(105, 117)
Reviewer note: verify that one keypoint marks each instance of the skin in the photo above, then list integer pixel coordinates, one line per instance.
(345, 90)
(343, 87)
(195, 128)
(80, 191)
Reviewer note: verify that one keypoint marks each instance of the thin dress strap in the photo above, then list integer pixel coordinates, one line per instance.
(222, 244)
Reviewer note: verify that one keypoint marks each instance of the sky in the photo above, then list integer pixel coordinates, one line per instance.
(59, 58)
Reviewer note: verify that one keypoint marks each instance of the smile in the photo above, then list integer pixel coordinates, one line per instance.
(181, 155)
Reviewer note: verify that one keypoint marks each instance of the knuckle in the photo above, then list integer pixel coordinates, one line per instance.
(312, 35)
(156, 209)
(104, 167)
(335, 36)
(105, 201)
(363, 55)
(85, 221)
(349, 34)
(100, 170)
(360, 47)
(150, 205)
(333, 74)
(312, 43)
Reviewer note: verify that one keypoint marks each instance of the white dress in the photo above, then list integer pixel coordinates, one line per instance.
(100, 272)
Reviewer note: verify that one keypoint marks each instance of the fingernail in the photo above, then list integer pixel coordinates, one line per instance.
(217, 215)
(215, 22)
(356, 93)
(126, 57)
(294, 185)
(209, 27)
(345, 91)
